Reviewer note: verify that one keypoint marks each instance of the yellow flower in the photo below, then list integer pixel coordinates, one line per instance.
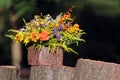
(70, 30)
(73, 29)
(26, 41)
(76, 27)
(19, 37)
(34, 36)
(47, 31)
(27, 38)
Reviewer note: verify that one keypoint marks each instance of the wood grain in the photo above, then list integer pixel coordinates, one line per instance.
(45, 57)
(52, 73)
(8, 73)
(96, 70)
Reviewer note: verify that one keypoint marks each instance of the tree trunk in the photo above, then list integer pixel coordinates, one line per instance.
(96, 70)
(51, 73)
(8, 73)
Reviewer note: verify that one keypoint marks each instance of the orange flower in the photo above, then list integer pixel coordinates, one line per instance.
(34, 36)
(61, 19)
(44, 36)
(66, 16)
(64, 27)
(19, 37)
(76, 26)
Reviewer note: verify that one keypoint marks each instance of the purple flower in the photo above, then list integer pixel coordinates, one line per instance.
(54, 31)
(60, 27)
(59, 37)
(79, 36)
(43, 25)
(22, 29)
(57, 17)
(68, 23)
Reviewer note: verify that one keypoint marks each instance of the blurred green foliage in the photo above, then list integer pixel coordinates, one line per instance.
(25, 7)
(5, 3)
(18, 8)
(105, 7)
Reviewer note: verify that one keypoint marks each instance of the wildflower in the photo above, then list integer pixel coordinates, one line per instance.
(37, 23)
(32, 23)
(73, 29)
(27, 37)
(34, 36)
(64, 27)
(61, 19)
(60, 27)
(43, 25)
(54, 31)
(22, 29)
(59, 37)
(46, 31)
(36, 20)
(68, 23)
(44, 36)
(19, 37)
(66, 16)
(76, 27)
(79, 36)
(26, 41)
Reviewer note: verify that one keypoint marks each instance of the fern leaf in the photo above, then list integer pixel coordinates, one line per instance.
(11, 30)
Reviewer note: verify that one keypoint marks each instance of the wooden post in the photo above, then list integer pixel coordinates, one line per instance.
(96, 70)
(8, 73)
(16, 54)
(52, 73)
(45, 57)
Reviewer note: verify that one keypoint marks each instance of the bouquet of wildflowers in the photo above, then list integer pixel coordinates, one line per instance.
(46, 31)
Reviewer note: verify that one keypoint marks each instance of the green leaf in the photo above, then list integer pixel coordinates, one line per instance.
(11, 30)
(10, 36)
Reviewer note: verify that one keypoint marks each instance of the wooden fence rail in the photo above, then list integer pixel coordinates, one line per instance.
(52, 73)
(85, 70)
(96, 70)
(8, 73)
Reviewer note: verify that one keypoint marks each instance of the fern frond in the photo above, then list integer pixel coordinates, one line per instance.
(67, 48)
(10, 36)
(12, 30)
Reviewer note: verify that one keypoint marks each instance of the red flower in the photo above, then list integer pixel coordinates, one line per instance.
(65, 27)
(44, 36)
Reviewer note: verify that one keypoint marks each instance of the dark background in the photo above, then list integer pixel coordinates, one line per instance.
(99, 19)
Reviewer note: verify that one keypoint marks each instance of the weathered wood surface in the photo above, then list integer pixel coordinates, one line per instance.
(45, 57)
(8, 73)
(52, 73)
(96, 70)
